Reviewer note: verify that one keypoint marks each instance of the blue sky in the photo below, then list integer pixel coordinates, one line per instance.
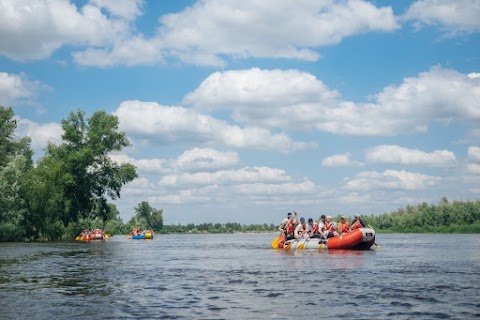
(241, 111)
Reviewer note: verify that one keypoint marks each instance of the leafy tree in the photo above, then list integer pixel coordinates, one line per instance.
(152, 218)
(87, 174)
(15, 164)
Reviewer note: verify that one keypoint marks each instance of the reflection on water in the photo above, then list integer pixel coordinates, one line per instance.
(240, 277)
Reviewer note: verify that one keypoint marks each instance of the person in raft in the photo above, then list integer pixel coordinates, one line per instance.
(343, 226)
(301, 230)
(288, 226)
(357, 223)
(312, 229)
(321, 226)
(329, 230)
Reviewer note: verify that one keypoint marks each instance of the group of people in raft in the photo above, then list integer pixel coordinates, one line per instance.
(88, 232)
(323, 229)
(137, 231)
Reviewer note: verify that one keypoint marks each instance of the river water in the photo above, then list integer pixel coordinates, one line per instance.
(239, 276)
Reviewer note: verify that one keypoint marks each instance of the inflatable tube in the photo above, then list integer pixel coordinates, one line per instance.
(143, 235)
(90, 237)
(359, 239)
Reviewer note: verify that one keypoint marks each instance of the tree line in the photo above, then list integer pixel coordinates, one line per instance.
(443, 217)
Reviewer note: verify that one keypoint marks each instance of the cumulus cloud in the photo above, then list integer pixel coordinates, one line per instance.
(452, 16)
(34, 29)
(405, 156)
(163, 124)
(195, 159)
(473, 168)
(474, 154)
(203, 33)
(294, 100)
(391, 180)
(41, 134)
(17, 87)
(282, 29)
(340, 160)
(250, 175)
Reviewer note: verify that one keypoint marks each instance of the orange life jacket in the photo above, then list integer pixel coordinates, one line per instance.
(343, 227)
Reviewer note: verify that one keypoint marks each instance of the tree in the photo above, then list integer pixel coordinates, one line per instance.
(15, 164)
(87, 174)
(151, 216)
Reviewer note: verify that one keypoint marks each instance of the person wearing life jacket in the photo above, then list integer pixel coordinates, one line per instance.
(321, 226)
(301, 230)
(329, 228)
(343, 226)
(283, 225)
(312, 229)
(357, 223)
(288, 226)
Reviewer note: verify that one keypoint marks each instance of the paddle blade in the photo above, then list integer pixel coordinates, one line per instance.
(275, 242)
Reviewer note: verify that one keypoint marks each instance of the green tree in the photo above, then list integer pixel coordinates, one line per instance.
(153, 218)
(15, 164)
(88, 175)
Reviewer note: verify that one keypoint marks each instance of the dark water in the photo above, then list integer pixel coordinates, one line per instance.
(240, 277)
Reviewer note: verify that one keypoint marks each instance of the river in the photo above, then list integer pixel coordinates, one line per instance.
(239, 276)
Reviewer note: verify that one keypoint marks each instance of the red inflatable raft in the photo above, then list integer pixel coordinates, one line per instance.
(358, 239)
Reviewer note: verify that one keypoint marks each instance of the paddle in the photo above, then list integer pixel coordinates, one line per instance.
(376, 245)
(300, 247)
(276, 241)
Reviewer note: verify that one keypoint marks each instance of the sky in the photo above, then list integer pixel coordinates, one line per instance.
(242, 111)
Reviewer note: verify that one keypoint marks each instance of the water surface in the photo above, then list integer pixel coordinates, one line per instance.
(239, 276)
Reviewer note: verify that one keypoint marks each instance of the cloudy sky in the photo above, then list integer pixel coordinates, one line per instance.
(240, 111)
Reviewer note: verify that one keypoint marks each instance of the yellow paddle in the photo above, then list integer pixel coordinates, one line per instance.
(301, 245)
(275, 242)
(376, 245)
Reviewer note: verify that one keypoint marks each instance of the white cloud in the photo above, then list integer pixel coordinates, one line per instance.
(452, 16)
(195, 159)
(391, 180)
(162, 124)
(473, 168)
(400, 155)
(474, 75)
(282, 29)
(226, 177)
(206, 158)
(293, 100)
(474, 154)
(202, 34)
(17, 87)
(34, 29)
(340, 160)
(41, 134)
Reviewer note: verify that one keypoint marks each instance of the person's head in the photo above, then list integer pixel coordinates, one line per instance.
(357, 217)
(342, 218)
(322, 217)
(289, 215)
(328, 219)
(310, 220)
(302, 220)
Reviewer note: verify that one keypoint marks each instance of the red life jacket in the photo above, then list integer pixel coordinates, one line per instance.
(329, 227)
(290, 227)
(356, 225)
(314, 229)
